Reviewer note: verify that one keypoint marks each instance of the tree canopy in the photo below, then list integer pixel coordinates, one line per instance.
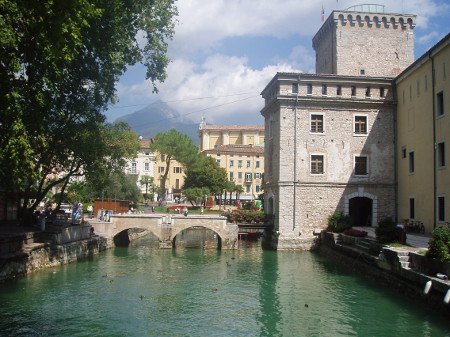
(175, 145)
(60, 61)
(206, 173)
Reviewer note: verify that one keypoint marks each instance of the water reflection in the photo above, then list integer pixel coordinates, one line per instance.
(141, 291)
(270, 314)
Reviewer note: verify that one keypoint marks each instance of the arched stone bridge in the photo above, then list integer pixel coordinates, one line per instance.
(166, 227)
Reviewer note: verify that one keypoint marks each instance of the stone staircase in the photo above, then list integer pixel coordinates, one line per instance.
(404, 259)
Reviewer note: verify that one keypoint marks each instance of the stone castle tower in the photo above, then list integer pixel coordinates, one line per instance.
(363, 40)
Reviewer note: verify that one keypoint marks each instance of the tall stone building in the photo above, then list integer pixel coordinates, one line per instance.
(365, 41)
(330, 140)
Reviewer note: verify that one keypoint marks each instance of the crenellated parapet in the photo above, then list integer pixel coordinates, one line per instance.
(364, 19)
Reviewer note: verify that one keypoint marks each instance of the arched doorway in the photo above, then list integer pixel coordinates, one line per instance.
(360, 211)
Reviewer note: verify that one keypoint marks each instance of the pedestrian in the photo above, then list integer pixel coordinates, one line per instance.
(185, 211)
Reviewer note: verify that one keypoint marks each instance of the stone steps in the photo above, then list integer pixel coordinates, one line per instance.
(404, 259)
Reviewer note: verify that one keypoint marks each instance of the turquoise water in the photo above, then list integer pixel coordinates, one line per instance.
(140, 291)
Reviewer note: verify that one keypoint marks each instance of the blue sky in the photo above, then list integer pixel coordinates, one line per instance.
(224, 52)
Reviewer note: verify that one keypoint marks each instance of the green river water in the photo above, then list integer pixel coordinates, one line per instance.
(141, 291)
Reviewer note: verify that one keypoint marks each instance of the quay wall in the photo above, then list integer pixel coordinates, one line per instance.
(387, 271)
(49, 255)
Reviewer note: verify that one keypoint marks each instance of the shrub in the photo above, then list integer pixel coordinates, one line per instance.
(387, 231)
(244, 216)
(338, 222)
(439, 246)
(386, 223)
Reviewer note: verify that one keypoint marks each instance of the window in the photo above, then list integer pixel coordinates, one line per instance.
(177, 169)
(239, 163)
(353, 90)
(361, 166)
(382, 93)
(411, 162)
(403, 151)
(163, 157)
(412, 208)
(248, 176)
(257, 188)
(161, 169)
(133, 167)
(362, 72)
(441, 154)
(317, 123)
(146, 166)
(324, 89)
(368, 92)
(441, 209)
(248, 163)
(360, 124)
(440, 103)
(339, 90)
(247, 189)
(257, 164)
(257, 175)
(316, 164)
(231, 163)
(177, 183)
(239, 175)
(295, 88)
(231, 176)
(309, 89)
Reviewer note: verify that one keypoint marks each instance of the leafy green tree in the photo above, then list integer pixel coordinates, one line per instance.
(60, 61)
(206, 173)
(196, 195)
(238, 189)
(175, 146)
(148, 181)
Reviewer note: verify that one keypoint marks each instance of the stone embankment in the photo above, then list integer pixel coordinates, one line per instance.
(399, 268)
(25, 253)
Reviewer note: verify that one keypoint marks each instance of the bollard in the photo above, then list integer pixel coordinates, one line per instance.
(447, 297)
(427, 288)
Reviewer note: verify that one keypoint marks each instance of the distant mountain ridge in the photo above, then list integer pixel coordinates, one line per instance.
(159, 117)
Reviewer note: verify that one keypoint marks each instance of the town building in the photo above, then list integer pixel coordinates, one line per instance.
(175, 177)
(330, 136)
(239, 149)
(151, 164)
(423, 128)
(142, 166)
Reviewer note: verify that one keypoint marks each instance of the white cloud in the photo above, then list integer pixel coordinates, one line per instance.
(428, 37)
(219, 87)
(203, 24)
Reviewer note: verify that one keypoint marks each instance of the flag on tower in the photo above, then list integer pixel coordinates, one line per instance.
(323, 14)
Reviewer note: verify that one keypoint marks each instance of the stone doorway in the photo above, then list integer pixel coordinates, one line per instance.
(360, 211)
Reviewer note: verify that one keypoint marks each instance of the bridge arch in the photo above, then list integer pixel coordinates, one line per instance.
(166, 227)
(173, 238)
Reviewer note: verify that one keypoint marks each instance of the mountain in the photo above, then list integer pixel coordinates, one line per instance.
(159, 117)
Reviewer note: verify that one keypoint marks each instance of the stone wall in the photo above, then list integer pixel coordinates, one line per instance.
(46, 255)
(381, 44)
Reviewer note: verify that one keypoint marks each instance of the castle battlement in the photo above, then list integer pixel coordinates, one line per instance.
(364, 19)
(357, 41)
